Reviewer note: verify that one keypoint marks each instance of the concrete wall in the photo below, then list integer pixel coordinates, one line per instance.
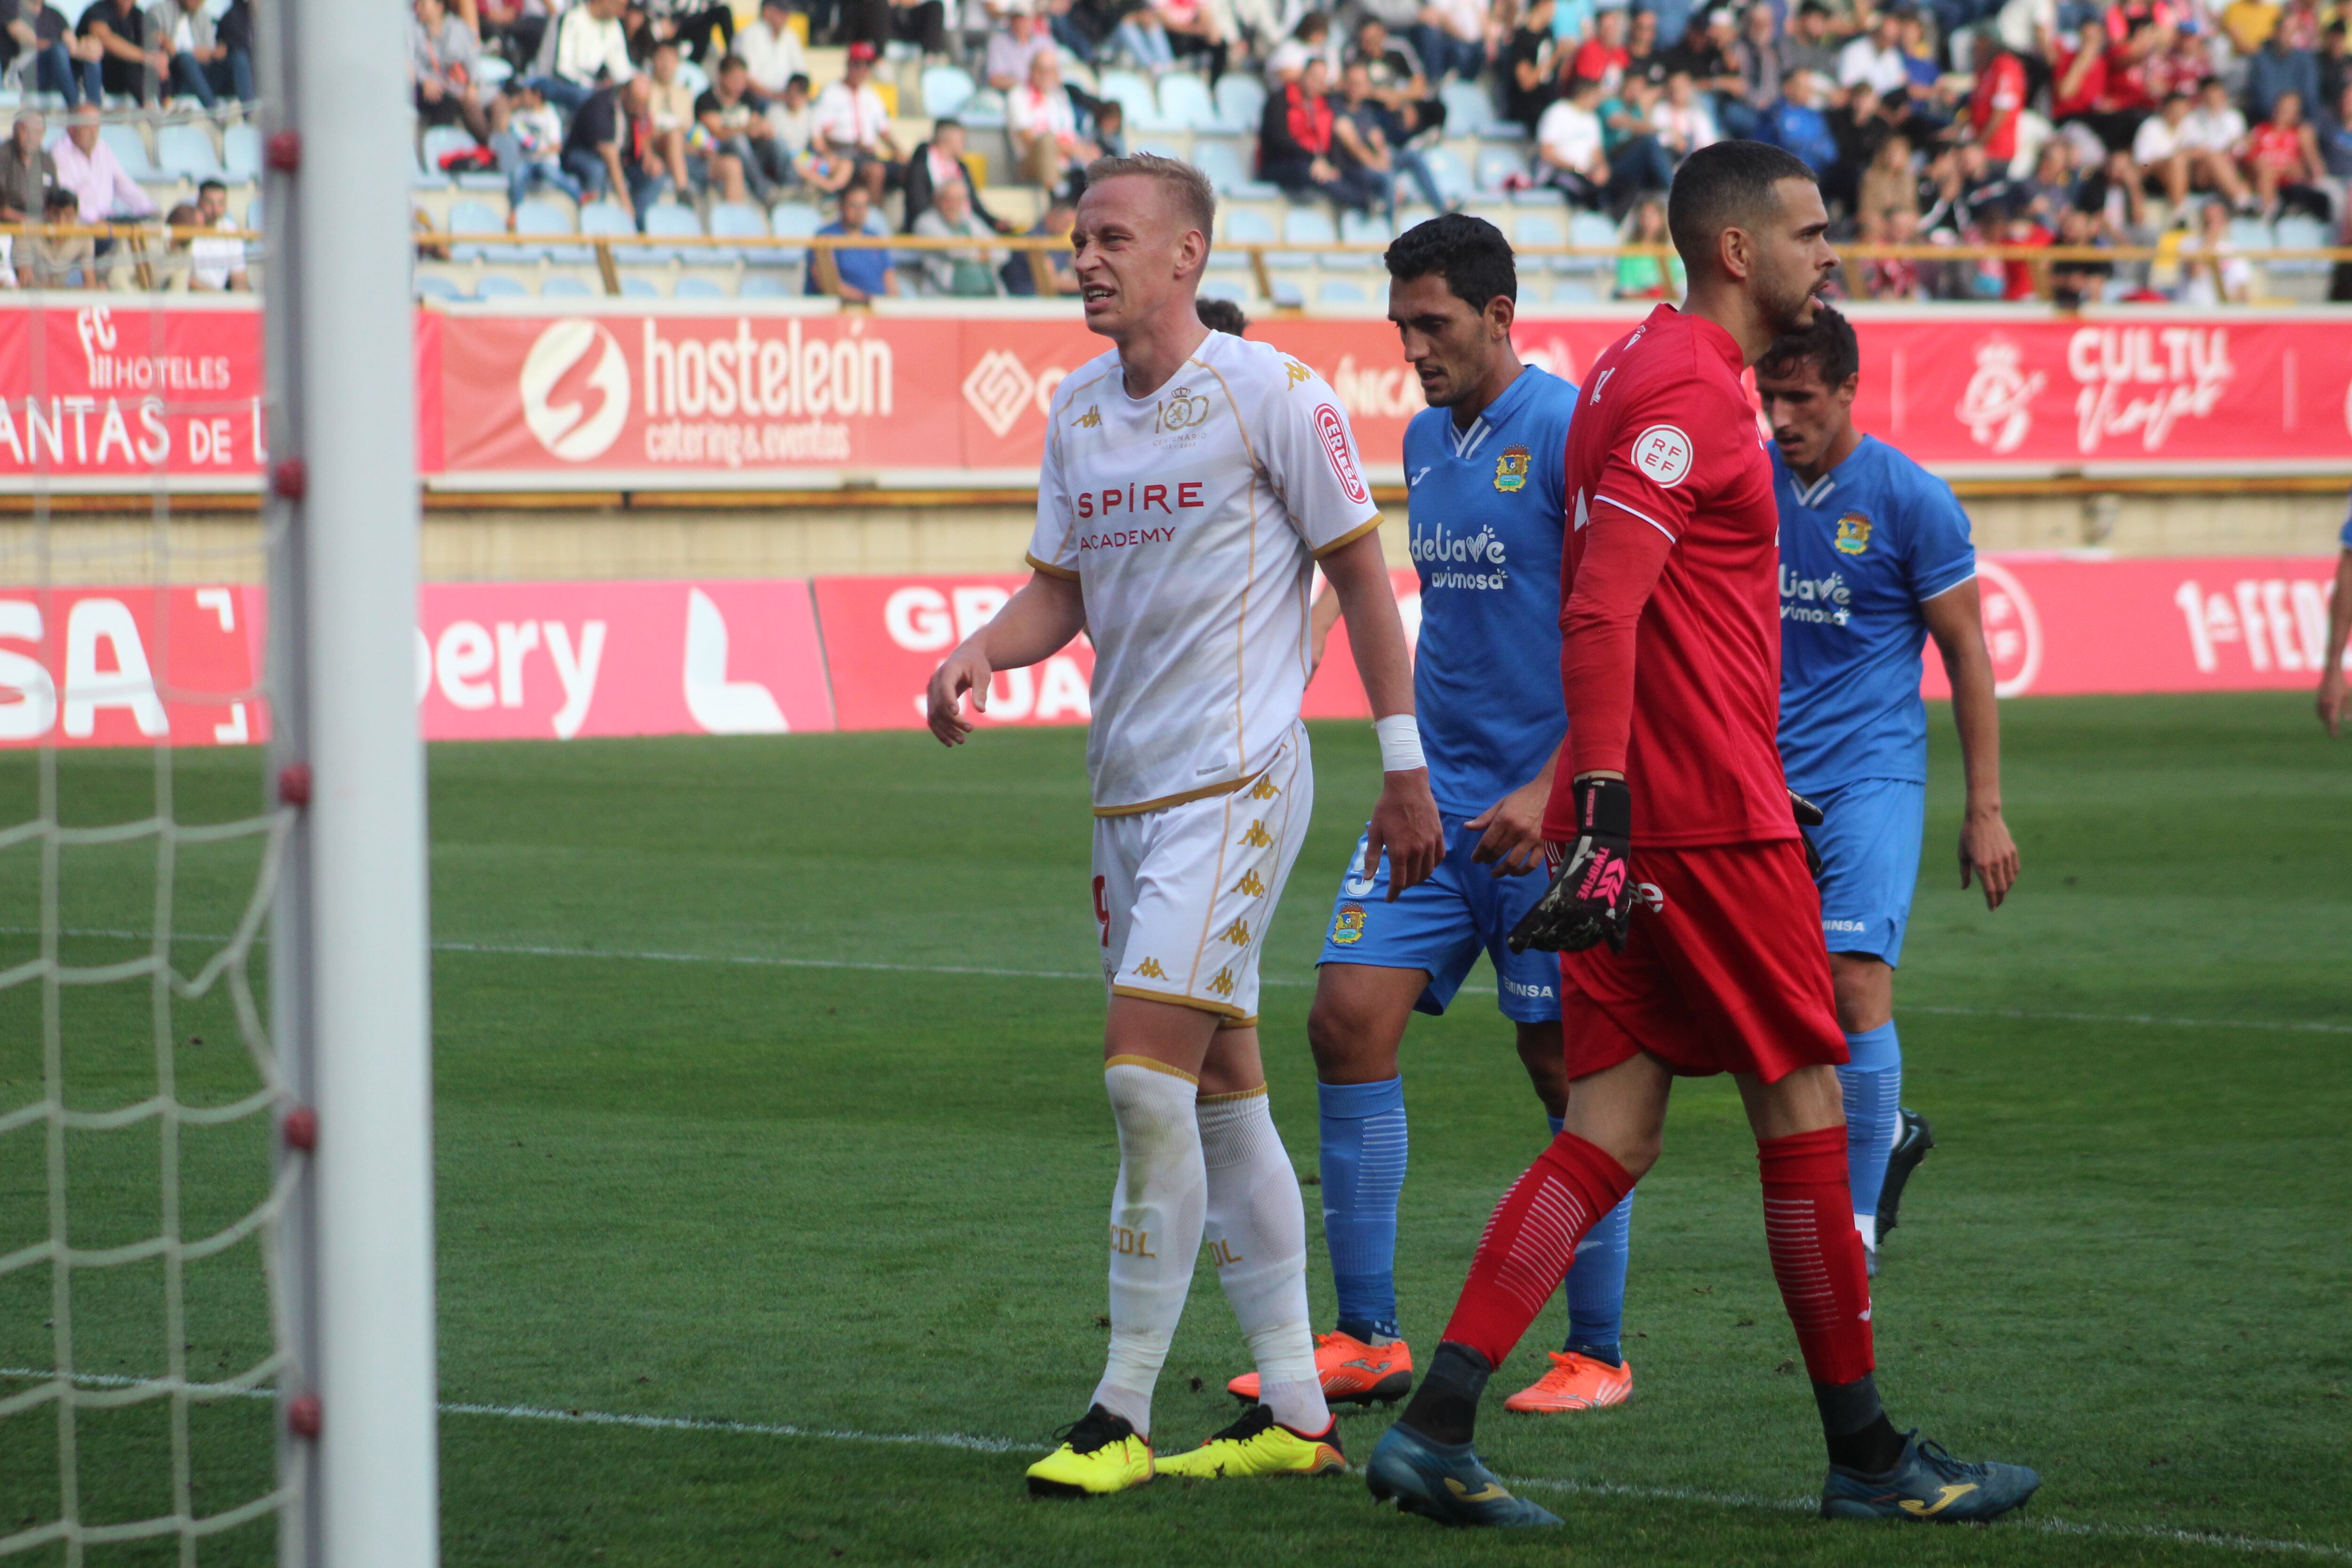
(489, 544)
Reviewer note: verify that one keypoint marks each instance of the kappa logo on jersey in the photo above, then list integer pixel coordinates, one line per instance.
(1296, 371)
(1150, 970)
(1264, 789)
(1511, 469)
(1852, 534)
(1334, 431)
(1091, 419)
(1223, 984)
(1662, 453)
(1348, 925)
(1257, 837)
(1250, 886)
(1238, 933)
(1180, 410)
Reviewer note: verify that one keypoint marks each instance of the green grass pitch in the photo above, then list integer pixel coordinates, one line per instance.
(837, 1161)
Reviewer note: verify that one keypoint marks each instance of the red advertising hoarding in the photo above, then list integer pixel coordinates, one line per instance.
(558, 660)
(104, 396)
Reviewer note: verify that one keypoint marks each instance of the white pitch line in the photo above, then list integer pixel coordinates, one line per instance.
(768, 961)
(970, 1444)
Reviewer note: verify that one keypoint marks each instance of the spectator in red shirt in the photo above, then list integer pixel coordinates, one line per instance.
(2000, 95)
(2020, 280)
(2080, 79)
(2282, 156)
(1604, 56)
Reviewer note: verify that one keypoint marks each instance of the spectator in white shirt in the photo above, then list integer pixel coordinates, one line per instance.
(1569, 148)
(2164, 149)
(1044, 128)
(1876, 57)
(965, 272)
(1684, 123)
(851, 118)
(770, 50)
(216, 265)
(1012, 47)
(89, 168)
(592, 50)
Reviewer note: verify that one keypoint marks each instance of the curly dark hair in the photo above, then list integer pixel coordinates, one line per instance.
(1471, 253)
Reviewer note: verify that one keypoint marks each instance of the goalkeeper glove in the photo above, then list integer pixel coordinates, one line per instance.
(1807, 815)
(1591, 899)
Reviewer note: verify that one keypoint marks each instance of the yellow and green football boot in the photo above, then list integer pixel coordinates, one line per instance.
(1257, 1444)
(1099, 1453)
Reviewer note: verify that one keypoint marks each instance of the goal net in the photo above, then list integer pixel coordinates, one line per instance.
(215, 1294)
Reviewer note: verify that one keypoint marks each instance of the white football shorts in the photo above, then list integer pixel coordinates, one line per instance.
(1183, 894)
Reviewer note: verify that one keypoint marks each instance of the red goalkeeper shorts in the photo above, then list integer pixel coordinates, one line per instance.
(1724, 969)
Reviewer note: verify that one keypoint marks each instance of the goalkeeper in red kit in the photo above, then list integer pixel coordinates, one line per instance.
(1688, 929)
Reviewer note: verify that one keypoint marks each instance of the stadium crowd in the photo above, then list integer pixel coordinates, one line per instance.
(2195, 127)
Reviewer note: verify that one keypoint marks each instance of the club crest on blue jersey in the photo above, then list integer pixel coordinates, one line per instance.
(1348, 925)
(1852, 534)
(1511, 469)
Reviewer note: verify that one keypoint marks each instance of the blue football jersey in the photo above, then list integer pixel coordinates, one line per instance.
(1861, 550)
(1488, 506)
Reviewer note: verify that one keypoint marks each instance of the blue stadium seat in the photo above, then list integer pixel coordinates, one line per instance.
(946, 89)
(735, 220)
(634, 286)
(1134, 93)
(1340, 291)
(1362, 228)
(760, 286)
(440, 141)
(241, 152)
(1228, 168)
(604, 220)
(1469, 111)
(1497, 165)
(1589, 229)
(432, 287)
(668, 220)
(704, 288)
(476, 217)
(564, 286)
(129, 149)
(1241, 101)
(1185, 102)
(1539, 228)
(1307, 225)
(498, 286)
(2300, 231)
(792, 220)
(1225, 289)
(536, 218)
(1451, 178)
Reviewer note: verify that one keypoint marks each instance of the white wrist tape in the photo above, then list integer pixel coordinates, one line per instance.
(1399, 737)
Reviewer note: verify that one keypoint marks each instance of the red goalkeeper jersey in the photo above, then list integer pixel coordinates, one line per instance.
(1670, 657)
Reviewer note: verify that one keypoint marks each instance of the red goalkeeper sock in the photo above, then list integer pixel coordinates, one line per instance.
(1529, 1241)
(1816, 1252)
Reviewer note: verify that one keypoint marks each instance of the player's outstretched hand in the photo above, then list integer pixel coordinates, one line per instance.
(1807, 815)
(1591, 899)
(1989, 853)
(1513, 840)
(966, 669)
(1405, 825)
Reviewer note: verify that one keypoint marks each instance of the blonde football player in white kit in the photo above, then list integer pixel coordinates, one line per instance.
(1192, 481)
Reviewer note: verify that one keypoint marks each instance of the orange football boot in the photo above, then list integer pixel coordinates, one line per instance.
(1352, 1372)
(1574, 1383)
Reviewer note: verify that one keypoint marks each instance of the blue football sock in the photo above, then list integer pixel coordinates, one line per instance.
(1363, 1162)
(1596, 1282)
(1873, 1083)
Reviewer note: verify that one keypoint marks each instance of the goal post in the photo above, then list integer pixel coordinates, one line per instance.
(349, 959)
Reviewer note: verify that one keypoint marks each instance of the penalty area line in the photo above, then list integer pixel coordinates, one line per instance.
(772, 960)
(969, 1443)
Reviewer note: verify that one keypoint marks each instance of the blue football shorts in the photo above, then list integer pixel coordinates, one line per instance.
(1869, 840)
(1440, 926)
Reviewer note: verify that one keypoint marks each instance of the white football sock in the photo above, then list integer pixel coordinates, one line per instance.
(1155, 1227)
(1257, 1231)
(1867, 1224)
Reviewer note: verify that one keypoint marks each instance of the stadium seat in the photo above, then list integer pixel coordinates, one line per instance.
(1228, 168)
(241, 152)
(1185, 102)
(129, 149)
(1250, 225)
(1289, 293)
(1135, 96)
(1311, 225)
(792, 220)
(440, 141)
(704, 288)
(1160, 147)
(668, 220)
(983, 110)
(761, 286)
(476, 217)
(563, 285)
(538, 217)
(1340, 291)
(431, 286)
(1497, 166)
(1589, 229)
(1241, 101)
(1451, 178)
(1576, 291)
(1539, 228)
(1225, 289)
(498, 286)
(490, 71)
(2299, 231)
(735, 220)
(946, 89)
(604, 220)
(1362, 228)
(638, 286)
(1469, 111)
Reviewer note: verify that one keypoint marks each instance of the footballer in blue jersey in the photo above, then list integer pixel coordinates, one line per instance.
(1875, 560)
(1485, 464)
(2339, 626)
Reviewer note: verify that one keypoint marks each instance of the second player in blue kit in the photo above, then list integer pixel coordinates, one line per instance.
(1484, 468)
(1875, 560)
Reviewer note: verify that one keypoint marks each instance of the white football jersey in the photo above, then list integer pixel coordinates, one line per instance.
(1192, 518)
